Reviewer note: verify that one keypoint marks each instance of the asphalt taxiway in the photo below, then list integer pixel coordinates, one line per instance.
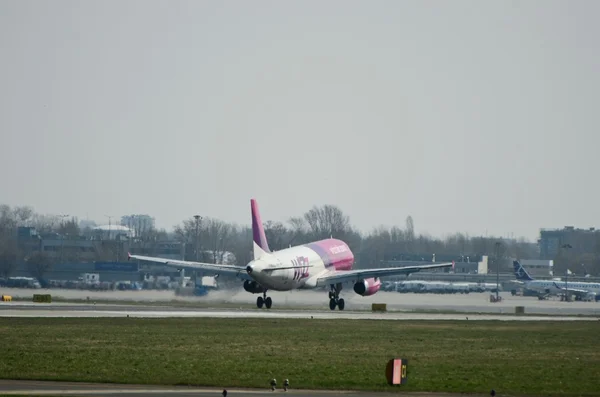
(27, 309)
(39, 388)
(318, 300)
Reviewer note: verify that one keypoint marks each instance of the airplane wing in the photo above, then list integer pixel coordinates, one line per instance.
(207, 267)
(356, 275)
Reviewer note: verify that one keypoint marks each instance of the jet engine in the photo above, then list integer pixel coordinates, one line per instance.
(253, 287)
(367, 287)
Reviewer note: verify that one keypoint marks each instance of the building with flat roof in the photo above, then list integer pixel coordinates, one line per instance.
(538, 267)
(582, 241)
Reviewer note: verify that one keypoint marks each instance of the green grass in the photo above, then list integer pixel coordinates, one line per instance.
(515, 358)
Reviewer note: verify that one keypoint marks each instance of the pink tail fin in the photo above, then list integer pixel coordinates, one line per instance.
(258, 231)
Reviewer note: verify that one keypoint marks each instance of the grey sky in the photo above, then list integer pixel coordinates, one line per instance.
(468, 115)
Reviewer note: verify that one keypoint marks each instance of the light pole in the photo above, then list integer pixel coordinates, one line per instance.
(497, 246)
(62, 234)
(109, 223)
(566, 247)
(198, 219)
(109, 227)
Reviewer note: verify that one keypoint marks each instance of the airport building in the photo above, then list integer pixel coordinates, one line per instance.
(538, 267)
(582, 241)
(467, 266)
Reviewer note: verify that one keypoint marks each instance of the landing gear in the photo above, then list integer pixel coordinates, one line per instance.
(334, 297)
(266, 300)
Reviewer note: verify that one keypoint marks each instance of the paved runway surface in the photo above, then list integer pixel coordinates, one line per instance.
(26, 309)
(91, 389)
(318, 300)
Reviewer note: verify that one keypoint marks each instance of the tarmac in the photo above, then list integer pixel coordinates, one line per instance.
(295, 304)
(27, 309)
(476, 303)
(32, 388)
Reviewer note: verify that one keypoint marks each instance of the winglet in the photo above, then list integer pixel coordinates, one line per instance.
(453, 265)
(128, 255)
(261, 246)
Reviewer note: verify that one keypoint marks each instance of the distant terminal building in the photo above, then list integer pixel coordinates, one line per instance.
(476, 264)
(538, 267)
(581, 240)
(162, 249)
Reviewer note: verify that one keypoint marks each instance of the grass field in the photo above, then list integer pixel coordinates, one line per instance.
(515, 358)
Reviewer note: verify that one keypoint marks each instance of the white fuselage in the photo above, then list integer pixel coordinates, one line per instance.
(548, 286)
(308, 267)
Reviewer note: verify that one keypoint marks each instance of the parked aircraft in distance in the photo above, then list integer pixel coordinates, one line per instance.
(545, 288)
(307, 266)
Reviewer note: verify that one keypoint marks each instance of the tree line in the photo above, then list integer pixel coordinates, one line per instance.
(210, 239)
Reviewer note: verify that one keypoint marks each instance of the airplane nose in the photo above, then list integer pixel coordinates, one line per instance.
(249, 269)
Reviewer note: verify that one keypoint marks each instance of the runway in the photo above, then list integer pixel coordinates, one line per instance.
(26, 309)
(474, 303)
(32, 388)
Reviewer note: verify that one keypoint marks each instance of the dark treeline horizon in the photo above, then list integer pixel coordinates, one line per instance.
(214, 237)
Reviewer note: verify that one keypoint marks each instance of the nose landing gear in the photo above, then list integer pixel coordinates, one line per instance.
(267, 301)
(334, 297)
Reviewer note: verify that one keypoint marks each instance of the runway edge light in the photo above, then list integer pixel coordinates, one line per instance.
(395, 371)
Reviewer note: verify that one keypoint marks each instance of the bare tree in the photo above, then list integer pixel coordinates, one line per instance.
(186, 231)
(327, 221)
(298, 231)
(241, 243)
(38, 263)
(142, 226)
(22, 215)
(410, 228)
(8, 223)
(9, 252)
(277, 235)
(216, 235)
(45, 224)
(70, 227)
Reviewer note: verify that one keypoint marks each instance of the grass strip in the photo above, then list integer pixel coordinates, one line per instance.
(514, 358)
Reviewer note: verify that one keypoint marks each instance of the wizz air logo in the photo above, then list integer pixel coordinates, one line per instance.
(338, 249)
(301, 267)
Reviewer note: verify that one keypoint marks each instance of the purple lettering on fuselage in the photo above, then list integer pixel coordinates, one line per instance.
(334, 253)
(301, 267)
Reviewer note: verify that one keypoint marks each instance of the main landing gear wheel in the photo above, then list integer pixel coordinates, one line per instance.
(334, 298)
(340, 304)
(266, 300)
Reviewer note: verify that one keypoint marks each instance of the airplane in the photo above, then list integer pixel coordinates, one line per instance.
(308, 266)
(582, 291)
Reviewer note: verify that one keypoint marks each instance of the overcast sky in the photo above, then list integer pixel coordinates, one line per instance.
(470, 116)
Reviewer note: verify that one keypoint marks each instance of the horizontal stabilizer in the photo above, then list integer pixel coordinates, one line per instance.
(285, 268)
